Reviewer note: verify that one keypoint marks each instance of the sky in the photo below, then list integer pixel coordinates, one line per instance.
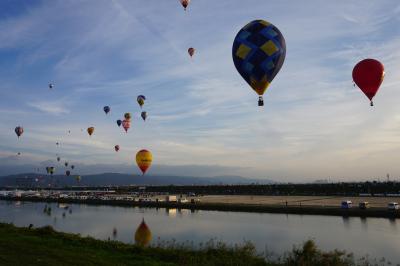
(203, 118)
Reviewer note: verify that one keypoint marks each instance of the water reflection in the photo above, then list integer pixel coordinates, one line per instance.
(278, 232)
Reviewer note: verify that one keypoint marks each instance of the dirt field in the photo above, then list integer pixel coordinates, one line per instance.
(299, 200)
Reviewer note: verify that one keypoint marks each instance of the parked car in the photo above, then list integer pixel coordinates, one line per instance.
(393, 206)
(363, 205)
(346, 204)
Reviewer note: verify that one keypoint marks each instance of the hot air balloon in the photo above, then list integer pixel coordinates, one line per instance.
(58, 159)
(66, 164)
(90, 131)
(106, 109)
(184, 3)
(119, 122)
(19, 130)
(191, 51)
(258, 53)
(144, 115)
(116, 147)
(57, 143)
(67, 172)
(140, 99)
(128, 116)
(51, 86)
(143, 234)
(368, 74)
(126, 124)
(50, 170)
(143, 160)
(72, 167)
(18, 153)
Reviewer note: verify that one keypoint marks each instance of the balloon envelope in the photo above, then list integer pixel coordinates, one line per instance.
(368, 74)
(116, 148)
(144, 115)
(126, 124)
(143, 234)
(67, 172)
(128, 116)
(144, 159)
(258, 52)
(90, 130)
(185, 3)
(140, 99)
(191, 51)
(119, 122)
(106, 109)
(19, 130)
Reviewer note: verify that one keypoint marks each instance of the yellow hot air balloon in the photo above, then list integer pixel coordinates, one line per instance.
(90, 130)
(143, 160)
(143, 234)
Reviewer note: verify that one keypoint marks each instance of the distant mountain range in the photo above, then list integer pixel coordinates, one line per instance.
(115, 179)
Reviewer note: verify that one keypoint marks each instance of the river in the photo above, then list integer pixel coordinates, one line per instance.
(277, 233)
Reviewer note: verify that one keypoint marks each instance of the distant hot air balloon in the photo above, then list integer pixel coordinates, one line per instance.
(19, 130)
(368, 74)
(119, 122)
(191, 51)
(116, 148)
(140, 99)
(128, 116)
(143, 234)
(58, 159)
(72, 167)
(258, 52)
(106, 109)
(18, 153)
(126, 124)
(144, 115)
(50, 170)
(51, 86)
(184, 3)
(66, 164)
(67, 172)
(143, 160)
(57, 143)
(90, 131)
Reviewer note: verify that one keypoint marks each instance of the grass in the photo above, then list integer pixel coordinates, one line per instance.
(44, 246)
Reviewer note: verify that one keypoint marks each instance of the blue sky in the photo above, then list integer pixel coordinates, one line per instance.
(203, 117)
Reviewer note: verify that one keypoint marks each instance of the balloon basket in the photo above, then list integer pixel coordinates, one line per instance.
(260, 101)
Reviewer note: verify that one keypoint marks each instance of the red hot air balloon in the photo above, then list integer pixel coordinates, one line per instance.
(19, 130)
(191, 51)
(116, 148)
(126, 124)
(184, 3)
(368, 74)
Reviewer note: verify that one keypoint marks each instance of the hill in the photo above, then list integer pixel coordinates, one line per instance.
(116, 179)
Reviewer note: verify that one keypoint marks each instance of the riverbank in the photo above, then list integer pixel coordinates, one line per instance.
(44, 246)
(234, 206)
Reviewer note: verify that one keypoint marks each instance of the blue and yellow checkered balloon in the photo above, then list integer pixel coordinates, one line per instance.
(258, 53)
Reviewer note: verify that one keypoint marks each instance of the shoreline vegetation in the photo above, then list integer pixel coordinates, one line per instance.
(377, 212)
(45, 246)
